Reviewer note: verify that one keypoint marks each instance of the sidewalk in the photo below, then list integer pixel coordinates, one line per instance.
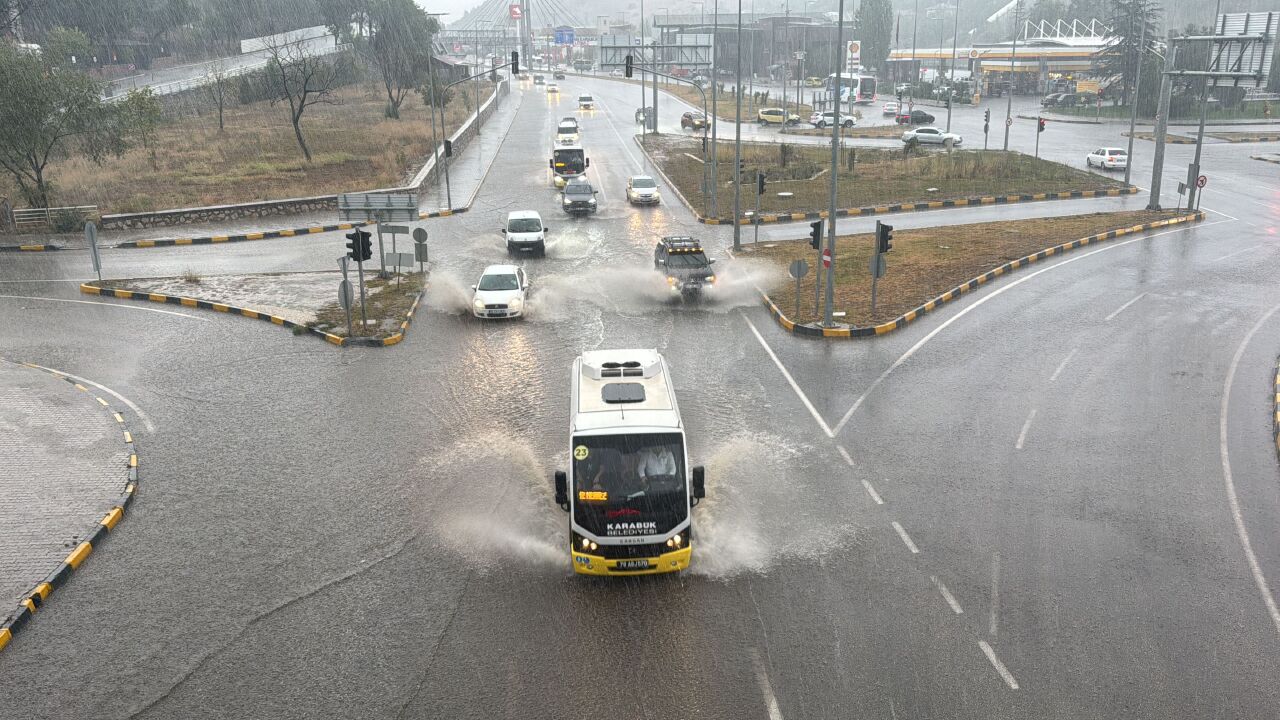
(64, 464)
(467, 170)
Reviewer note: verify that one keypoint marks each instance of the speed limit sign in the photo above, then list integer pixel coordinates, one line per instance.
(1202, 181)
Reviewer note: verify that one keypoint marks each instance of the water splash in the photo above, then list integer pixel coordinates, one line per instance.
(448, 294)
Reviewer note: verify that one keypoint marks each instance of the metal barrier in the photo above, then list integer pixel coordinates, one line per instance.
(35, 218)
(212, 74)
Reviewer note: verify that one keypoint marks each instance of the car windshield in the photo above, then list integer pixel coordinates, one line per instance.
(505, 281)
(687, 260)
(578, 189)
(522, 225)
(629, 484)
(643, 182)
(567, 130)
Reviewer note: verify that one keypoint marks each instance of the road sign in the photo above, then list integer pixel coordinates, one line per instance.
(399, 259)
(396, 229)
(419, 235)
(91, 236)
(345, 294)
(877, 265)
(1202, 181)
(798, 269)
(517, 12)
(383, 207)
(1008, 122)
(420, 251)
(826, 257)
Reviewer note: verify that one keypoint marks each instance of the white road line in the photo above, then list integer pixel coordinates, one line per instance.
(946, 595)
(985, 298)
(1238, 252)
(845, 454)
(106, 304)
(771, 702)
(608, 115)
(905, 538)
(1258, 578)
(993, 622)
(872, 492)
(151, 427)
(1022, 436)
(999, 666)
(1063, 364)
(790, 380)
(1122, 308)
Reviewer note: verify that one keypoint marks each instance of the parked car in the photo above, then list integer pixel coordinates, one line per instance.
(1108, 158)
(525, 232)
(931, 136)
(915, 117)
(1068, 100)
(615, 73)
(693, 121)
(813, 82)
(776, 116)
(642, 190)
(500, 292)
(823, 119)
(891, 108)
(901, 88)
(1051, 99)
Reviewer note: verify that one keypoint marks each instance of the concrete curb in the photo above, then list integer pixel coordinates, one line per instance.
(1275, 159)
(212, 239)
(1169, 138)
(30, 248)
(850, 134)
(245, 312)
(1275, 413)
(973, 284)
(443, 213)
(39, 595)
(1246, 139)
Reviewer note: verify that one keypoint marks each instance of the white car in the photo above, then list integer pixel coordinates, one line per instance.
(553, 88)
(500, 292)
(525, 231)
(567, 133)
(586, 102)
(890, 108)
(932, 136)
(1108, 158)
(823, 119)
(642, 190)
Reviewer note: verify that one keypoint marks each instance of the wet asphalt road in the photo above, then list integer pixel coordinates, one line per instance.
(370, 533)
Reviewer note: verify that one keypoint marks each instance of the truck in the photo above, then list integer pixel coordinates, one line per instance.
(629, 490)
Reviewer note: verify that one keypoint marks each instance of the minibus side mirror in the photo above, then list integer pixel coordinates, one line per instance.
(562, 490)
(699, 483)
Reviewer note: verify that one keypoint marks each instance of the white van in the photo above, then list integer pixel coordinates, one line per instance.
(586, 102)
(525, 232)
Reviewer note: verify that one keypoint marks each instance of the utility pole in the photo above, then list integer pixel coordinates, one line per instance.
(915, 72)
(1008, 112)
(955, 33)
(1193, 172)
(644, 128)
(786, 65)
(715, 118)
(737, 140)
(1162, 124)
(431, 79)
(839, 56)
(1133, 111)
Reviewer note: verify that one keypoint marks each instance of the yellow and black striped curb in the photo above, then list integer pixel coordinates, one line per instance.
(44, 247)
(1275, 410)
(1245, 138)
(1273, 159)
(955, 293)
(930, 205)
(39, 595)
(1169, 139)
(443, 213)
(254, 314)
(263, 235)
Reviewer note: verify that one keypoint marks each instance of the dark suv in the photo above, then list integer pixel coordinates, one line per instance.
(579, 198)
(687, 268)
(915, 117)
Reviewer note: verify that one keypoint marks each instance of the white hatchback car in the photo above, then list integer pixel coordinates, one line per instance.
(1108, 158)
(642, 190)
(931, 135)
(500, 292)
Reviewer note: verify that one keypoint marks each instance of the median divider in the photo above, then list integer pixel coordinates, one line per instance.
(973, 284)
(39, 595)
(263, 235)
(42, 247)
(1275, 410)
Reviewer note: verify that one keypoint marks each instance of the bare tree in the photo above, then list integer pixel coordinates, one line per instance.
(218, 86)
(302, 80)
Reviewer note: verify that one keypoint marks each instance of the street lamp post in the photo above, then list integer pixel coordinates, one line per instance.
(431, 79)
(955, 34)
(715, 118)
(737, 140)
(839, 56)
(1013, 56)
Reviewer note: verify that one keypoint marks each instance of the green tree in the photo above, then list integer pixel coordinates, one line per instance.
(302, 79)
(61, 114)
(338, 16)
(1129, 21)
(65, 47)
(139, 116)
(875, 27)
(399, 47)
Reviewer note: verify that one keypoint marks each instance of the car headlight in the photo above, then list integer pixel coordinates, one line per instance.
(593, 201)
(477, 303)
(516, 303)
(567, 201)
(710, 278)
(671, 280)
(675, 541)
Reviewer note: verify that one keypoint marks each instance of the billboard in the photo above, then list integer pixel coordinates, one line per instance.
(564, 35)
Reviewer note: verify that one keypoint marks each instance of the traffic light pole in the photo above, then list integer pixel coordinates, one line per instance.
(737, 137)
(364, 318)
(755, 216)
(875, 270)
(1039, 123)
(840, 63)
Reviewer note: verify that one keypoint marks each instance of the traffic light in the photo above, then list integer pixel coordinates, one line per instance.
(759, 183)
(627, 71)
(515, 62)
(448, 147)
(359, 247)
(1040, 123)
(353, 245)
(884, 237)
(986, 118)
(815, 235)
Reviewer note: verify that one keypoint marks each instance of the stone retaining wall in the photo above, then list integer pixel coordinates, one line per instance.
(294, 206)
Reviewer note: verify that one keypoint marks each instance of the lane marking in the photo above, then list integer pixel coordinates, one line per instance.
(129, 403)
(790, 380)
(1238, 252)
(872, 492)
(609, 119)
(845, 454)
(999, 666)
(993, 622)
(946, 595)
(1063, 364)
(1122, 308)
(762, 677)
(994, 294)
(1243, 533)
(1022, 436)
(106, 304)
(906, 539)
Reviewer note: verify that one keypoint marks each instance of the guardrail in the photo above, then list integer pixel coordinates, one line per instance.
(33, 218)
(177, 86)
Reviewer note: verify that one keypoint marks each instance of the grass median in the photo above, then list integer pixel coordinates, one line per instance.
(925, 263)
(868, 176)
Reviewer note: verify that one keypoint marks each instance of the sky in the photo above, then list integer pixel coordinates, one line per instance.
(455, 8)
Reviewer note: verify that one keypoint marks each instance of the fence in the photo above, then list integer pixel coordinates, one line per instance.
(214, 72)
(61, 219)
